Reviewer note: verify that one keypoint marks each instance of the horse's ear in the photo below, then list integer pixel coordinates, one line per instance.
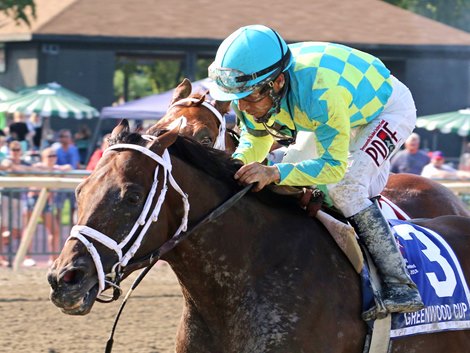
(167, 138)
(182, 91)
(122, 126)
(222, 107)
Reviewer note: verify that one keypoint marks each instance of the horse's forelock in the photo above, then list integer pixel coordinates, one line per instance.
(126, 137)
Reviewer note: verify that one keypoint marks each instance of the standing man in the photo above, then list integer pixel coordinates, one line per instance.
(411, 159)
(359, 113)
(67, 153)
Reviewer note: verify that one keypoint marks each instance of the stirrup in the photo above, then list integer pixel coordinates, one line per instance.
(377, 312)
(402, 298)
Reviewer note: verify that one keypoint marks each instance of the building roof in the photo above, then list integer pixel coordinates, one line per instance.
(347, 21)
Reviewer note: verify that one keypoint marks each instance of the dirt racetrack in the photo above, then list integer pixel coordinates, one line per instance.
(30, 323)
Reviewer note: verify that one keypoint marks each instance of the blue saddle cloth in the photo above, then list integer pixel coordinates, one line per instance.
(436, 271)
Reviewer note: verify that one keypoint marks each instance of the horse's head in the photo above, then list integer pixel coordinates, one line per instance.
(117, 204)
(203, 121)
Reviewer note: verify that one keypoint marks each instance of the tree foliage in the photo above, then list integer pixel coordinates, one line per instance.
(454, 13)
(22, 11)
(136, 78)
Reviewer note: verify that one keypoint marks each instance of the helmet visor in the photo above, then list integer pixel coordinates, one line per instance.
(235, 81)
(226, 79)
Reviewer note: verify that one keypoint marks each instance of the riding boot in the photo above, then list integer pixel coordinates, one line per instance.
(399, 292)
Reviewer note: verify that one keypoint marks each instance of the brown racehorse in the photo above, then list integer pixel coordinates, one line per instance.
(202, 122)
(419, 197)
(261, 277)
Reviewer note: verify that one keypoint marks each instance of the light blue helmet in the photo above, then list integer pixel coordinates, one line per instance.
(249, 58)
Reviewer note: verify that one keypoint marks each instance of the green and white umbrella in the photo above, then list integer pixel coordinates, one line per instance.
(61, 90)
(6, 94)
(457, 122)
(453, 122)
(48, 103)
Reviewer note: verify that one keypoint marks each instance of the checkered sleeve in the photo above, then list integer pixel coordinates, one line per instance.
(252, 148)
(332, 145)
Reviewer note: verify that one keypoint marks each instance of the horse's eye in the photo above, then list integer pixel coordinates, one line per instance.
(134, 198)
(206, 141)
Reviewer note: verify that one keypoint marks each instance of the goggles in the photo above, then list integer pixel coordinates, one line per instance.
(235, 81)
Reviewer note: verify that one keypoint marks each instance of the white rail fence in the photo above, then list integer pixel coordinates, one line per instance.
(70, 182)
(45, 184)
(458, 187)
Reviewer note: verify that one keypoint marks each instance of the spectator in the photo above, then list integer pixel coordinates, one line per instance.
(96, 156)
(67, 153)
(3, 148)
(438, 170)
(35, 123)
(48, 163)
(411, 159)
(464, 162)
(21, 131)
(13, 203)
(82, 139)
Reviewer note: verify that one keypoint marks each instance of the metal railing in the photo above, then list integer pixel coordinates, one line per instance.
(37, 212)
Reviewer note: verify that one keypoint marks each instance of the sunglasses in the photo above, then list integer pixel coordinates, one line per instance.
(52, 156)
(16, 149)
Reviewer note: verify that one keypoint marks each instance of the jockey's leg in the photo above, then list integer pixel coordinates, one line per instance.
(399, 292)
(371, 147)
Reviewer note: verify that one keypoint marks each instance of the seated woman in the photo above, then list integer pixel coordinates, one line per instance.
(436, 169)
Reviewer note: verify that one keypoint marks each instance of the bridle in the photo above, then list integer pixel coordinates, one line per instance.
(147, 216)
(113, 278)
(220, 140)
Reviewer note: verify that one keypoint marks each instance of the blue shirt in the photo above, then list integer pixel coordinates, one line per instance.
(71, 156)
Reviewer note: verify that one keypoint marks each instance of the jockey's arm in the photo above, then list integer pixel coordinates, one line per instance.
(333, 134)
(252, 148)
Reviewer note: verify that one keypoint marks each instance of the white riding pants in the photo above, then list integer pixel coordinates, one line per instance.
(370, 149)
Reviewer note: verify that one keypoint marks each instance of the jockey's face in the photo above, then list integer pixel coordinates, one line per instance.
(259, 102)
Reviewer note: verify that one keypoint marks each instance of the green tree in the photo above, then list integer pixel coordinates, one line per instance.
(134, 79)
(454, 13)
(19, 10)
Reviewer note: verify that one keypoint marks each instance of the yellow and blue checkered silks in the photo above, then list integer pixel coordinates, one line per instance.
(333, 88)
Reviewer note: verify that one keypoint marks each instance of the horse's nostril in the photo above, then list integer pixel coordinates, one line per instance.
(73, 277)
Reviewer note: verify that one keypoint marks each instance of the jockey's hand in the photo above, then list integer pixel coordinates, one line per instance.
(257, 173)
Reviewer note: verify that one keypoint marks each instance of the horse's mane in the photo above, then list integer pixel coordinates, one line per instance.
(215, 163)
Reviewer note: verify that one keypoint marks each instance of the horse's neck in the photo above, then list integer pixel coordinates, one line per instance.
(253, 252)
(214, 252)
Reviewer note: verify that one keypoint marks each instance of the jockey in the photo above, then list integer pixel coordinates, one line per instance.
(359, 115)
